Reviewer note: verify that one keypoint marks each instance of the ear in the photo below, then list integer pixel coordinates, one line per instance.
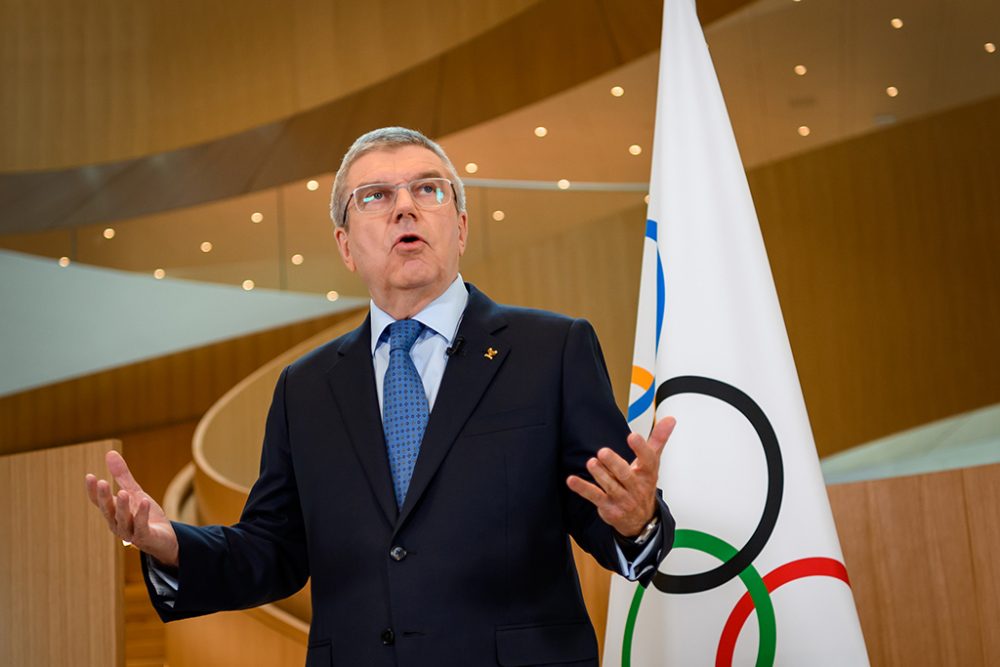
(344, 246)
(463, 232)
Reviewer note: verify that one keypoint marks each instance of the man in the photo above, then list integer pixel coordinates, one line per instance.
(427, 468)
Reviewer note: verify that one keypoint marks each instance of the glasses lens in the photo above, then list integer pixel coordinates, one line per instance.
(375, 197)
(431, 192)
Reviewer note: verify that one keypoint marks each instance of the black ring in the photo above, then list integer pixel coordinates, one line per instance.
(696, 583)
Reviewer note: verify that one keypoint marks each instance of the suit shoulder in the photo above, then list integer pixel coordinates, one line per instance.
(321, 358)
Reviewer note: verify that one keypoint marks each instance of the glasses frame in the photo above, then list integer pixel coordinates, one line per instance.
(395, 188)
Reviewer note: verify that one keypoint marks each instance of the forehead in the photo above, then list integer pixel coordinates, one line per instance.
(389, 165)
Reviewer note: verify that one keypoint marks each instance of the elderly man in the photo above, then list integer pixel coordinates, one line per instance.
(427, 469)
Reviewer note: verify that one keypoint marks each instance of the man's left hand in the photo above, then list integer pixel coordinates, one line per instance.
(625, 494)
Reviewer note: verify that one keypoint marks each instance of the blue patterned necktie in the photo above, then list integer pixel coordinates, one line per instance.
(404, 406)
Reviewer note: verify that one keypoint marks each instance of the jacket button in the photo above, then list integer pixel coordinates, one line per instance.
(397, 553)
(388, 637)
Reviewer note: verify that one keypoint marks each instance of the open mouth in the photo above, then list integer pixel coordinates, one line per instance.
(408, 240)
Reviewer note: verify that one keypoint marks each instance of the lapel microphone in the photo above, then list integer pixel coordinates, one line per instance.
(455, 347)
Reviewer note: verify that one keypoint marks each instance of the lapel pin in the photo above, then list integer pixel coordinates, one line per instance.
(490, 353)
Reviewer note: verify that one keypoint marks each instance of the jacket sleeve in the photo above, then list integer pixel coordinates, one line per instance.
(590, 420)
(258, 560)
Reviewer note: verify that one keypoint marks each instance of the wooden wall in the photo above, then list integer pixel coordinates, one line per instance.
(61, 579)
(163, 392)
(108, 80)
(921, 552)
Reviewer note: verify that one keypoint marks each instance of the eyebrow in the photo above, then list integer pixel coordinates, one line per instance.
(432, 173)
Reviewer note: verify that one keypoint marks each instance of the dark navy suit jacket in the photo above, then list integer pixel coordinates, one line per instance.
(476, 569)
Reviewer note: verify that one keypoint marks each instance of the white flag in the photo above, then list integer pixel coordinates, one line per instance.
(756, 575)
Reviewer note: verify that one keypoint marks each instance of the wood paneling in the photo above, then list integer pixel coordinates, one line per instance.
(61, 580)
(919, 552)
(161, 392)
(106, 80)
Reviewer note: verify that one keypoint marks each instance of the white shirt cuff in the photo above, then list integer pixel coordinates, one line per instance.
(164, 583)
(637, 568)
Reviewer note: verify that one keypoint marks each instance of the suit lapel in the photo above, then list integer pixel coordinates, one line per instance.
(468, 373)
(352, 380)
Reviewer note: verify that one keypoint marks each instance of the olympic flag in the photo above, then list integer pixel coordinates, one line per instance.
(756, 576)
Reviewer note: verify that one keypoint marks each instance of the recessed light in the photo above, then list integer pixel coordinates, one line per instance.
(332, 295)
(800, 70)
(471, 167)
(206, 246)
(896, 23)
(256, 217)
(312, 185)
(541, 131)
(297, 259)
(617, 91)
(990, 47)
(563, 184)
(64, 262)
(499, 215)
(892, 91)
(247, 285)
(635, 149)
(804, 130)
(159, 274)
(109, 233)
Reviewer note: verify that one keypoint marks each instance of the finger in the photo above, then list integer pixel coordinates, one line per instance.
(106, 504)
(604, 478)
(587, 490)
(90, 482)
(119, 470)
(661, 433)
(140, 524)
(124, 516)
(615, 464)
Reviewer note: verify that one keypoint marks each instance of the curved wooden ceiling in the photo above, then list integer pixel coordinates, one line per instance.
(548, 47)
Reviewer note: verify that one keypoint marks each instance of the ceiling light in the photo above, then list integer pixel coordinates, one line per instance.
(896, 23)
(247, 285)
(256, 217)
(471, 167)
(541, 131)
(499, 215)
(332, 295)
(635, 149)
(563, 184)
(804, 130)
(800, 70)
(159, 274)
(297, 259)
(312, 186)
(617, 91)
(990, 47)
(109, 233)
(892, 91)
(206, 246)
(64, 262)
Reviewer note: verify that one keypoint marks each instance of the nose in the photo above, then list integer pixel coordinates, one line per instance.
(404, 203)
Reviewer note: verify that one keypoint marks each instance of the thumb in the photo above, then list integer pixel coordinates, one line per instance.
(119, 470)
(661, 433)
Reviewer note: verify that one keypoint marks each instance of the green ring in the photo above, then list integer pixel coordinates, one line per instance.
(713, 546)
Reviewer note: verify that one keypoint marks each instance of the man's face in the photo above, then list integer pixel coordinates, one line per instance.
(405, 248)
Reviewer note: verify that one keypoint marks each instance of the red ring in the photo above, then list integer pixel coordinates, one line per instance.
(797, 569)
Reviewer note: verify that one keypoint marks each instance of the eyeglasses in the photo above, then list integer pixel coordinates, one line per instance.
(426, 193)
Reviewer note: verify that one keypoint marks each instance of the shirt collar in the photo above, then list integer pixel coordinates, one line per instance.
(441, 315)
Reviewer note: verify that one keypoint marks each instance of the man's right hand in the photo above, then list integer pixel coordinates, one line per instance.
(133, 515)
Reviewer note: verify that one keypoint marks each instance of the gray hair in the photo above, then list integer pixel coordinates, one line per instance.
(386, 138)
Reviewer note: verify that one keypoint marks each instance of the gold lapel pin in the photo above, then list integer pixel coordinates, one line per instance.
(490, 353)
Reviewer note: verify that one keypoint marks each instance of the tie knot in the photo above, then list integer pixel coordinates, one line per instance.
(402, 334)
